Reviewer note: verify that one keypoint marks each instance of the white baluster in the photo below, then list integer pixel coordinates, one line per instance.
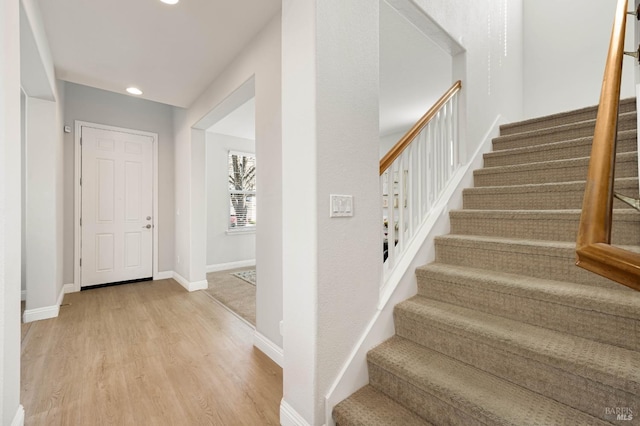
(417, 178)
(391, 232)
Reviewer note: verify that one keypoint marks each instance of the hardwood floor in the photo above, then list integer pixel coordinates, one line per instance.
(146, 354)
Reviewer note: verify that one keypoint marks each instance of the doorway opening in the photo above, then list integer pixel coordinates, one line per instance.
(231, 200)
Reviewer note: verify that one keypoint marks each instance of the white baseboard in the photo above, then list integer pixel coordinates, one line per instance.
(164, 275)
(290, 417)
(181, 280)
(38, 314)
(269, 348)
(18, 419)
(45, 312)
(199, 285)
(190, 286)
(231, 265)
(23, 295)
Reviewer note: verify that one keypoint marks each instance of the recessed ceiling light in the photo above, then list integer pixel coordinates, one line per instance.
(170, 1)
(134, 90)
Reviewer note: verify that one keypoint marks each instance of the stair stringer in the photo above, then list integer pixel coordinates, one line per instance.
(402, 282)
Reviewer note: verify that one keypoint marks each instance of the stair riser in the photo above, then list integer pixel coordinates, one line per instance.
(568, 196)
(626, 230)
(431, 408)
(533, 261)
(626, 166)
(370, 406)
(564, 133)
(627, 105)
(422, 379)
(528, 308)
(500, 360)
(627, 142)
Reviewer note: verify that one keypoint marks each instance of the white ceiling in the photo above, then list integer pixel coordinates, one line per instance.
(172, 53)
(240, 123)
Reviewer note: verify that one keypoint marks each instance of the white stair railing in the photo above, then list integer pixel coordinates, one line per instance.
(414, 174)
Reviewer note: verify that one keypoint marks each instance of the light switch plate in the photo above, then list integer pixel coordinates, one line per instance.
(340, 205)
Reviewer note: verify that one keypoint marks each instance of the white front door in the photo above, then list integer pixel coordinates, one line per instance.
(117, 206)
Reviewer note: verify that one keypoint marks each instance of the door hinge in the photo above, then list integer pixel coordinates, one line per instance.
(80, 181)
(80, 221)
(80, 262)
(80, 140)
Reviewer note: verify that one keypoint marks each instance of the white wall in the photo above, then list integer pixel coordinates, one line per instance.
(491, 68)
(388, 141)
(259, 60)
(42, 193)
(42, 188)
(414, 72)
(23, 193)
(565, 48)
(10, 226)
(59, 185)
(99, 106)
(331, 265)
(224, 247)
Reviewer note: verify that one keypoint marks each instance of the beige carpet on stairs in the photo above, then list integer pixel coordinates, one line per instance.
(505, 329)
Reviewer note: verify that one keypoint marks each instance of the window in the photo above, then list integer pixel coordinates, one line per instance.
(242, 191)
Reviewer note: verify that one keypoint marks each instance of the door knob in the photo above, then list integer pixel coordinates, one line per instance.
(148, 217)
(148, 226)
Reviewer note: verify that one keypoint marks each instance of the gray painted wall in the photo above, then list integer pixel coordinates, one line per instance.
(223, 247)
(98, 106)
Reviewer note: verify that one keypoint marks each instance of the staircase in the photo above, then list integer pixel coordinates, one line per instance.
(505, 329)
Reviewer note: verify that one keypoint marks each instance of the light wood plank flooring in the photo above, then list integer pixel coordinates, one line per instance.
(146, 354)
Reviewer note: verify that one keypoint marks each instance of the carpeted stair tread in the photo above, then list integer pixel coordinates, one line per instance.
(552, 120)
(505, 329)
(571, 170)
(551, 225)
(554, 260)
(460, 394)
(578, 372)
(370, 407)
(622, 303)
(626, 121)
(546, 196)
(581, 147)
(594, 361)
(605, 315)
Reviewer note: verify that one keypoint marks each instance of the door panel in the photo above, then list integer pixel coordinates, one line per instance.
(104, 252)
(132, 249)
(133, 191)
(117, 206)
(105, 191)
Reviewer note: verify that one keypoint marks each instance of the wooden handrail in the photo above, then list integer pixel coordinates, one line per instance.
(403, 143)
(593, 248)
